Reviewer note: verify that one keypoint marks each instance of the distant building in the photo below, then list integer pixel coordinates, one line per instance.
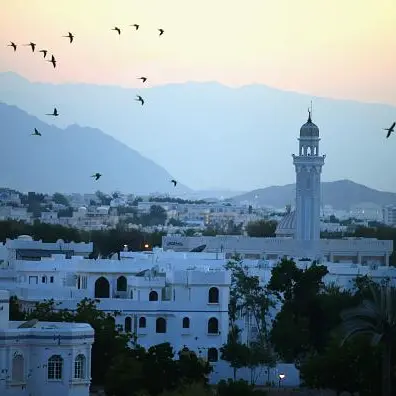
(389, 215)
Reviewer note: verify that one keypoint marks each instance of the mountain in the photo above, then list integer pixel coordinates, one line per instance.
(64, 159)
(207, 134)
(340, 194)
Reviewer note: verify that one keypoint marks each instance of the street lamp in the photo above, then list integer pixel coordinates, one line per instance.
(281, 377)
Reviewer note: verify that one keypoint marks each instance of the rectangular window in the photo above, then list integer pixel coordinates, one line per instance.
(51, 279)
(33, 280)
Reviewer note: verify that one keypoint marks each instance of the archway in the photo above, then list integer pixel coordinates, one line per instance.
(102, 288)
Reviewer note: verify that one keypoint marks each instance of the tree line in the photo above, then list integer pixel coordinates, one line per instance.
(339, 338)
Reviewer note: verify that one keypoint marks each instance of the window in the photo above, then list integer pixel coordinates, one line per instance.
(142, 322)
(213, 295)
(122, 284)
(153, 296)
(44, 279)
(128, 324)
(186, 323)
(131, 295)
(213, 326)
(51, 279)
(79, 367)
(18, 368)
(213, 355)
(160, 325)
(55, 366)
(33, 280)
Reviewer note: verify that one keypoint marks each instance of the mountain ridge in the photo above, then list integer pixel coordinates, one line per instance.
(68, 153)
(202, 131)
(340, 194)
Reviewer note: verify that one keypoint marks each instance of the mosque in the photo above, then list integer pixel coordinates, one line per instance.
(298, 234)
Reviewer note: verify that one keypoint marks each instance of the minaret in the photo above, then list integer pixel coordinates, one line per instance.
(308, 164)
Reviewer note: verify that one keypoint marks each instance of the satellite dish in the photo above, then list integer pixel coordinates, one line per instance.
(29, 324)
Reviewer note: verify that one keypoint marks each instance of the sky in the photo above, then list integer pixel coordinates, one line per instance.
(333, 48)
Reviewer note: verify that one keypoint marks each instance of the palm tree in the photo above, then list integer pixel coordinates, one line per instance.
(375, 317)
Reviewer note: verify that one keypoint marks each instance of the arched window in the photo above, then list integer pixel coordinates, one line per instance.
(160, 325)
(153, 296)
(128, 324)
(122, 284)
(55, 367)
(142, 322)
(213, 355)
(18, 368)
(43, 279)
(213, 326)
(186, 323)
(79, 366)
(102, 288)
(213, 295)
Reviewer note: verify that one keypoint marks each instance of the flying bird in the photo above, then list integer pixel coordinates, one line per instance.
(390, 130)
(36, 132)
(174, 182)
(117, 30)
(96, 175)
(32, 45)
(13, 45)
(55, 113)
(140, 99)
(161, 31)
(70, 37)
(144, 79)
(44, 52)
(136, 26)
(53, 61)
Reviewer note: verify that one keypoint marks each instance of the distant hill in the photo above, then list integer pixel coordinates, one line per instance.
(210, 136)
(340, 194)
(64, 159)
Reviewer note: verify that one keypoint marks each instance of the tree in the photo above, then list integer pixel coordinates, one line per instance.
(351, 368)
(261, 228)
(234, 352)
(60, 199)
(376, 317)
(249, 298)
(302, 325)
(103, 198)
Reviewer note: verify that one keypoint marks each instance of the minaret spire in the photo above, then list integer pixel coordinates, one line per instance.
(310, 113)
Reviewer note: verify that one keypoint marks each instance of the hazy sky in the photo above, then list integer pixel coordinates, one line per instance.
(335, 48)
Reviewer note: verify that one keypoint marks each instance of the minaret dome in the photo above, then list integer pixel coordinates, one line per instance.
(309, 129)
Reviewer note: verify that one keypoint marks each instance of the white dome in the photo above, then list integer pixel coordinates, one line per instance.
(25, 238)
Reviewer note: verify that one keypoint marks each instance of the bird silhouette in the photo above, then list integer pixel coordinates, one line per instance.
(55, 113)
(117, 30)
(31, 45)
(140, 99)
(96, 175)
(390, 130)
(174, 182)
(53, 61)
(44, 52)
(13, 45)
(144, 79)
(36, 132)
(161, 31)
(136, 26)
(70, 37)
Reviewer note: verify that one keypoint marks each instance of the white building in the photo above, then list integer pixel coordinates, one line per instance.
(389, 215)
(43, 358)
(298, 233)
